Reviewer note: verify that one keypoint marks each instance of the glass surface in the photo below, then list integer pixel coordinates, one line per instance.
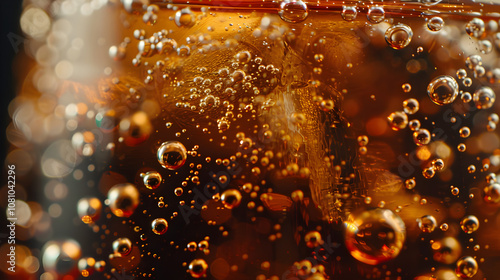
(254, 140)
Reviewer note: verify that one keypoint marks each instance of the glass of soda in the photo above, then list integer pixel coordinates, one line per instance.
(259, 140)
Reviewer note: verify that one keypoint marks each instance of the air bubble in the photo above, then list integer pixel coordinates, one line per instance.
(398, 120)
(410, 183)
(374, 236)
(484, 98)
(151, 180)
(473, 61)
(410, 106)
(435, 24)
(469, 224)
(461, 74)
(198, 268)
(117, 53)
(438, 164)
(429, 172)
(293, 11)
(231, 198)
(466, 267)
(349, 13)
(422, 137)
(123, 199)
(443, 90)
(313, 239)
(485, 46)
(89, 209)
(184, 18)
(464, 132)
(466, 97)
(159, 226)
(414, 125)
(172, 155)
(492, 193)
(427, 223)
(376, 14)
(398, 36)
(122, 246)
(475, 28)
(406, 87)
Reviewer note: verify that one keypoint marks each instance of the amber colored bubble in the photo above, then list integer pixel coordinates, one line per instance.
(293, 11)
(123, 199)
(443, 90)
(172, 155)
(398, 36)
(466, 267)
(374, 236)
(198, 268)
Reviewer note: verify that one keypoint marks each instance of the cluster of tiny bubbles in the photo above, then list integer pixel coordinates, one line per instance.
(374, 236)
(172, 155)
(375, 14)
(89, 209)
(410, 106)
(150, 16)
(123, 199)
(398, 120)
(313, 239)
(435, 24)
(484, 98)
(159, 226)
(198, 268)
(469, 224)
(410, 183)
(151, 179)
(122, 246)
(231, 198)
(466, 267)
(427, 223)
(414, 124)
(349, 13)
(293, 11)
(398, 36)
(443, 90)
(475, 27)
(422, 137)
